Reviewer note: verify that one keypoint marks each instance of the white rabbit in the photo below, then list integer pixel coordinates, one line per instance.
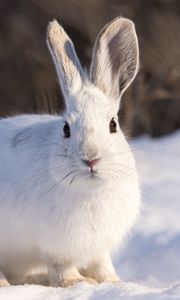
(69, 189)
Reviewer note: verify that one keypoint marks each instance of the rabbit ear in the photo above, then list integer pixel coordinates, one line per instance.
(67, 64)
(115, 58)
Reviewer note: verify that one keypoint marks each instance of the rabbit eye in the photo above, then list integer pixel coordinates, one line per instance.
(66, 130)
(112, 126)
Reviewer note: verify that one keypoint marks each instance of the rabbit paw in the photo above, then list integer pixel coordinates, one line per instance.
(65, 276)
(70, 282)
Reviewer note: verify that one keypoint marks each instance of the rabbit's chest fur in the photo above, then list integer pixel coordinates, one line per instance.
(93, 223)
(77, 230)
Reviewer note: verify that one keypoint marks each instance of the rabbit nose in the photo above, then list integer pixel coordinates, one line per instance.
(91, 163)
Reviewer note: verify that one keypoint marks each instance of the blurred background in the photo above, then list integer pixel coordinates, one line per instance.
(28, 81)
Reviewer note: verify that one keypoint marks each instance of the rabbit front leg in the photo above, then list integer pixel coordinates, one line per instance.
(65, 275)
(102, 270)
(3, 280)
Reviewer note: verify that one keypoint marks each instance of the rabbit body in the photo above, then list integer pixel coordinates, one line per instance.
(56, 211)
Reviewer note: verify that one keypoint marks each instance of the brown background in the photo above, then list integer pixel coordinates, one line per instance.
(27, 77)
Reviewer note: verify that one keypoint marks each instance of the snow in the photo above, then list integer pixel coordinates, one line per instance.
(149, 263)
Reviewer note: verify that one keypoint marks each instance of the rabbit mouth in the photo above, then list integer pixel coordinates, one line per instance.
(92, 172)
(93, 176)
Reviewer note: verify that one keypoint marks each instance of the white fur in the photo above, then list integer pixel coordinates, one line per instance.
(73, 222)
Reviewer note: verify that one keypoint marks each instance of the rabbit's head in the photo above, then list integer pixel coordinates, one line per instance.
(90, 126)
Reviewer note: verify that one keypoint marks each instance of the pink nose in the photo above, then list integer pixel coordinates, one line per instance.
(91, 163)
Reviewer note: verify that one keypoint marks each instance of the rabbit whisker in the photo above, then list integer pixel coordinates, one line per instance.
(73, 178)
(106, 173)
(61, 167)
(122, 165)
(124, 173)
(57, 183)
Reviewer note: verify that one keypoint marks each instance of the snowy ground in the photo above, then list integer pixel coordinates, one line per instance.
(150, 262)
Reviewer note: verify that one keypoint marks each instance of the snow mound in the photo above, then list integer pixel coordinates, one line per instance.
(82, 291)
